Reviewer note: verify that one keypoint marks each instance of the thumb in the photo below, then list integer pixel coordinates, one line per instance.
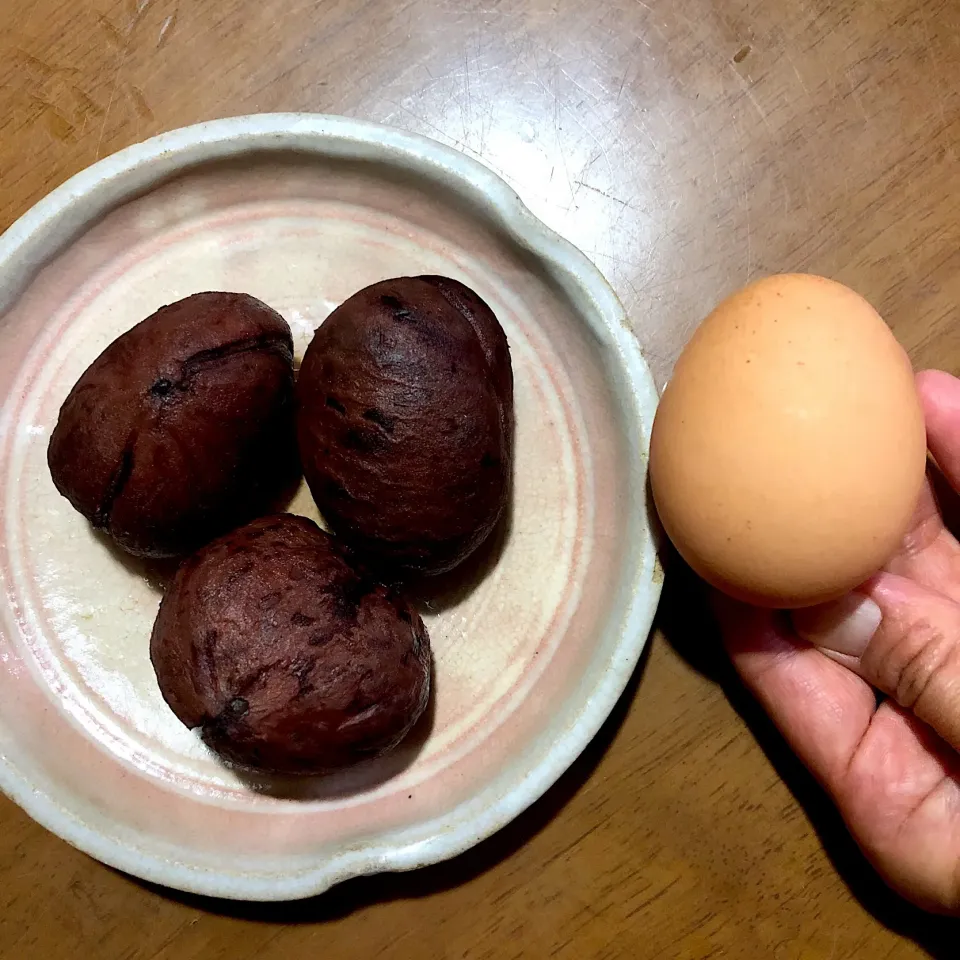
(902, 638)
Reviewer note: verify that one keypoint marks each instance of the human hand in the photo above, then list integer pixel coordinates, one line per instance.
(893, 768)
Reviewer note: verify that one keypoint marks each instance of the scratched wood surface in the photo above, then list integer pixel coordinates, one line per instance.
(686, 146)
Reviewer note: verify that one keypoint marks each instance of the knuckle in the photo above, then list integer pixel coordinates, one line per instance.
(924, 659)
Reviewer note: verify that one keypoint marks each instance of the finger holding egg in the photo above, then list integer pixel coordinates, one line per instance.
(789, 450)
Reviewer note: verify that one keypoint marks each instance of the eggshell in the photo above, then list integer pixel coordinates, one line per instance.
(789, 450)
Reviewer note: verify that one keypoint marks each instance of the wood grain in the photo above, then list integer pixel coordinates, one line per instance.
(686, 146)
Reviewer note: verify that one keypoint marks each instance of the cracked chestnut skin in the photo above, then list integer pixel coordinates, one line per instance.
(288, 659)
(406, 423)
(183, 428)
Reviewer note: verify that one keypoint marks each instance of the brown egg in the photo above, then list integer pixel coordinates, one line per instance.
(789, 449)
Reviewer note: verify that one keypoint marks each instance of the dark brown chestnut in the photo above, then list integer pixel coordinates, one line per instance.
(183, 428)
(286, 658)
(406, 422)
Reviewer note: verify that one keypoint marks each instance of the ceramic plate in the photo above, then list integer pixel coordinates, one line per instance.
(533, 642)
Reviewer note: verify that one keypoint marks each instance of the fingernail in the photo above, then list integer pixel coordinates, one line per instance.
(845, 626)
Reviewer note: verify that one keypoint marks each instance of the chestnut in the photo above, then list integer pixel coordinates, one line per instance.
(286, 658)
(184, 426)
(406, 423)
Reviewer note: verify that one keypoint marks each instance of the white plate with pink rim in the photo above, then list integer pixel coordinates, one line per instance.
(534, 642)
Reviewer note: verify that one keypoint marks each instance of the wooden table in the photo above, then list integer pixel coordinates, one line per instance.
(687, 146)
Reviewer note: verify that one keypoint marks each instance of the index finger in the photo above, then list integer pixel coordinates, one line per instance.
(930, 554)
(940, 396)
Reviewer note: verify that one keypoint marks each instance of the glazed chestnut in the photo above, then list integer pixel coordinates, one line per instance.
(284, 655)
(406, 422)
(183, 428)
